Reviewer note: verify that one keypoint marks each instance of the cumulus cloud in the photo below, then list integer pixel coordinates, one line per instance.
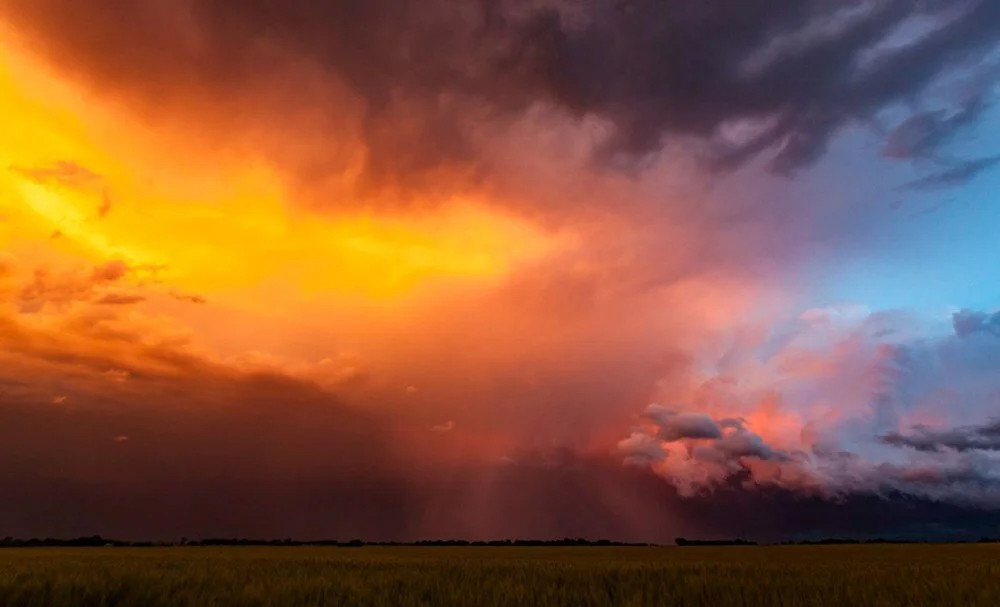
(840, 404)
(694, 450)
(674, 426)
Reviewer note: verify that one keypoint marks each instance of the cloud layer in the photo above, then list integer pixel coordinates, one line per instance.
(405, 268)
(841, 404)
(422, 87)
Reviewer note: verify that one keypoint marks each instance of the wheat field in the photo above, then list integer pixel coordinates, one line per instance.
(914, 575)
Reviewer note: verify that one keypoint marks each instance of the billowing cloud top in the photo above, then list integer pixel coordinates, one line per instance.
(429, 262)
(847, 405)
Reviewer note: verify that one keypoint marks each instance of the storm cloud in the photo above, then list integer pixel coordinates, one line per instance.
(423, 78)
(398, 268)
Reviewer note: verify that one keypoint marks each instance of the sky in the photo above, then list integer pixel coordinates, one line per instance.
(506, 268)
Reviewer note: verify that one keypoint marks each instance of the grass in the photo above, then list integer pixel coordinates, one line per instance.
(915, 575)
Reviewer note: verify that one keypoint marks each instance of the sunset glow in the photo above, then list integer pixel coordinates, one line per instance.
(494, 271)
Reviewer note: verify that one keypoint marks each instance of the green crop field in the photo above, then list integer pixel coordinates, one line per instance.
(471, 576)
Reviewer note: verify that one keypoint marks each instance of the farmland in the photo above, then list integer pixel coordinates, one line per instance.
(920, 574)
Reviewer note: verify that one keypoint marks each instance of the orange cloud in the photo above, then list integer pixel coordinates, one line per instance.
(441, 324)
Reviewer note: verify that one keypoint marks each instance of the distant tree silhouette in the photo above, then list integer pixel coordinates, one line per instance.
(97, 540)
(736, 542)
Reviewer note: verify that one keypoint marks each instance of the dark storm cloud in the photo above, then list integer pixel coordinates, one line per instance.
(740, 442)
(786, 74)
(676, 426)
(774, 515)
(594, 499)
(106, 414)
(984, 438)
(724, 439)
(217, 450)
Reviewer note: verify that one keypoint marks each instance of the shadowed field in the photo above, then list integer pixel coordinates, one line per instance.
(916, 575)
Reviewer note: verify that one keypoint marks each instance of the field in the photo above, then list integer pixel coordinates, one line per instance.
(548, 576)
